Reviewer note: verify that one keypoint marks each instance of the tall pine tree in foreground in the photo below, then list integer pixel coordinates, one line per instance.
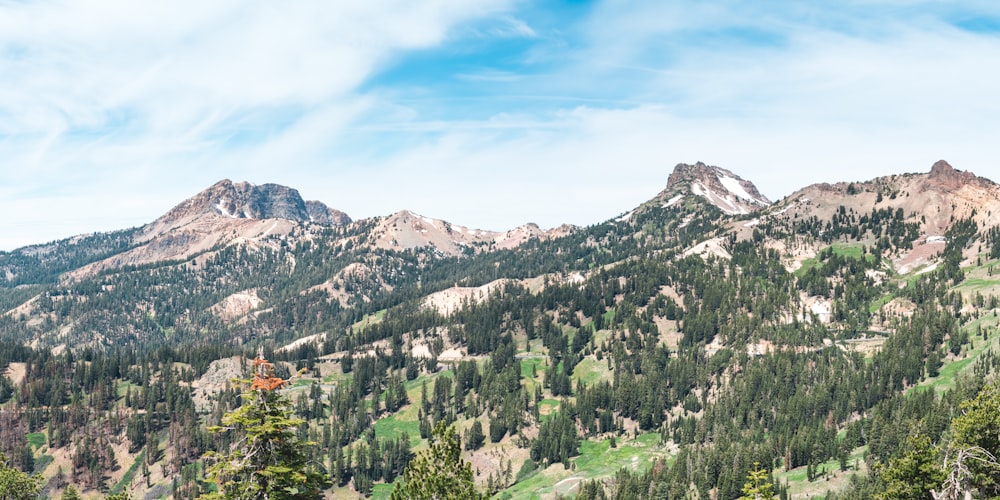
(266, 460)
(438, 472)
(17, 485)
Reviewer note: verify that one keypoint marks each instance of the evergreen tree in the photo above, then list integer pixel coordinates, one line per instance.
(17, 485)
(474, 438)
(70, 493)
(265, 460)
(912, 475)
(438, 472)
(757, 486)
(976, 435)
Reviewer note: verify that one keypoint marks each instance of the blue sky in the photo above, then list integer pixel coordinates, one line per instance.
(488, 114)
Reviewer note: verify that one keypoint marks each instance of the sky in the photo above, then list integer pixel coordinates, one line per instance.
(488, 114)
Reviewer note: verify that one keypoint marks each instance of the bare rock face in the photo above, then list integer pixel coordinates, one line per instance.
(242, 200)
(943, 177)
(322, 214)
(729, 192)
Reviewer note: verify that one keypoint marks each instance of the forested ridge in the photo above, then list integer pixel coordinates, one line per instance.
(671, 353)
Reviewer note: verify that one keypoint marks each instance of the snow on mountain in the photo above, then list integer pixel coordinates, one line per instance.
(720, 187)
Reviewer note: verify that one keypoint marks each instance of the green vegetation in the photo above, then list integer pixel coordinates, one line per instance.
(16, 485)
(265, 460)
(758, 486)
(853, 251)
(438, 472)
(395, 425)
(129, 474)
(609, 353)
(36, 440)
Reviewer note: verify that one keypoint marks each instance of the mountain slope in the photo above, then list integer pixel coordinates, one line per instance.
(677, 334)
(903, 216)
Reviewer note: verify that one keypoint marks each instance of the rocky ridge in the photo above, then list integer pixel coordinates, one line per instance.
(408, 230)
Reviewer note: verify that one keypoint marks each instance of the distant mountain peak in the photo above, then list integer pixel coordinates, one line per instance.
(243, 200)
(406, 229)
(729, 192)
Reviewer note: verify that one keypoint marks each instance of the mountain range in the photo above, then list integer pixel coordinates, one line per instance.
(369, 258)
(646, 327)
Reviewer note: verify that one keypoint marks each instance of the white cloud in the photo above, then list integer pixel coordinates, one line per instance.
(115, 111)
(122, 96)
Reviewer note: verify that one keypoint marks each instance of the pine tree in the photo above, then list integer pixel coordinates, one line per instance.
(16, 485)
(70, 493)
(912, 475)
(757, 486)
(438, 472)
(266, 460)
(474, 438)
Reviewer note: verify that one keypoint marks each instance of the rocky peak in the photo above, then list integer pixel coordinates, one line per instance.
(944, 177)
(724, 189)
(242, 200)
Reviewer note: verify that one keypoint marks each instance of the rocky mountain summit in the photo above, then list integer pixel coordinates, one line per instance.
(226, 213)
(242, 200)
(944, 177)
(729, 192)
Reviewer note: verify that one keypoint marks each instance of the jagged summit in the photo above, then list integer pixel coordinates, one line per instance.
(242, 200)
(944, 177)
(729, 192)
(225, 213)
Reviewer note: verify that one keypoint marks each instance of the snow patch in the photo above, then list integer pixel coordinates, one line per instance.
(673, 200)
(221, 207)
(723, 202)
(625, 217)
(752, 223)
(737, 189)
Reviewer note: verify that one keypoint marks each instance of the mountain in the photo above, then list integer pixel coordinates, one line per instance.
(224, 214)
(707, 326)
(922, 207)
(407, 230)
(242, 200)
(722, 188)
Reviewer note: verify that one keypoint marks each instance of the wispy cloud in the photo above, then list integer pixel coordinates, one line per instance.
(489, 114)
(116, 97)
